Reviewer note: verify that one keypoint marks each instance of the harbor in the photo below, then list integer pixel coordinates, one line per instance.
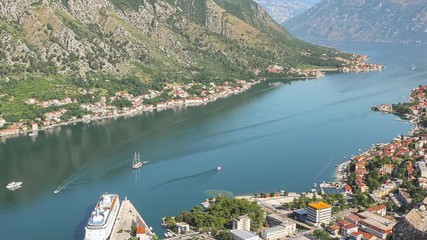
(129, 223)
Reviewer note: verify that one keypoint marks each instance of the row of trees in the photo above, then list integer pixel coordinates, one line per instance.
(218, 217)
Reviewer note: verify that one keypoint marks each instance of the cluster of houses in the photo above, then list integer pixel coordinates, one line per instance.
(179, 96)
(50, 103)
(303, 73)
(278, 228)
(400, 148)
(368, 225)
(358, 65)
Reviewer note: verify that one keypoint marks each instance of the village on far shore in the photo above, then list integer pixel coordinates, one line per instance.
(177, 96)
(88, 107)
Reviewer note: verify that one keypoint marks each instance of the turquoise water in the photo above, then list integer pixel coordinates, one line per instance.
(267, 139)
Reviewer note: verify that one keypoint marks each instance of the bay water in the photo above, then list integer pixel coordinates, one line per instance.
(279, 135)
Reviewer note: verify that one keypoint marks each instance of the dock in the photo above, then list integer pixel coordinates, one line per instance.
(127, 217)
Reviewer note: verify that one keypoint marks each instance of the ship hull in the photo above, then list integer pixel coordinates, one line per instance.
(103, 232)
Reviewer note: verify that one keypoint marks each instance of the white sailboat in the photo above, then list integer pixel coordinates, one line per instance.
(136, 162)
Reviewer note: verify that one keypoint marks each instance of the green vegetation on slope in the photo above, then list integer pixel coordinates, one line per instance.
(140, 45)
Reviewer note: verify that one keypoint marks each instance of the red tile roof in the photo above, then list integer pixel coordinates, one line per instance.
(376, 208)
(365, 234)
(140, 230)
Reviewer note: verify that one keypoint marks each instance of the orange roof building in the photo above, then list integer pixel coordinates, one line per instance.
(318, 213)
(319, 205)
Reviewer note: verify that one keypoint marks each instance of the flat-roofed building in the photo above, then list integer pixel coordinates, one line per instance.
(404, 197)
(274, 220)
(286, 229)
(377, 225)
(242, 222)
(240, 234)
(300, 215)
(182, 227)
(318, 213)
(422, 168)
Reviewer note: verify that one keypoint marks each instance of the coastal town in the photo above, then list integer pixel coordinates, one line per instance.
(379, 194)
(122, 103)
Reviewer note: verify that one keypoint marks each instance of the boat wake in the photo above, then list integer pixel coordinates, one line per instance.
(185, 177)
(82, 176)
(323, 169)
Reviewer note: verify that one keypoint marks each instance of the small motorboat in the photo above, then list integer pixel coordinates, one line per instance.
(14, 185)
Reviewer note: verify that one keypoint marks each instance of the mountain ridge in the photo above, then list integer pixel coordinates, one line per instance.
(281, 11)
(361, 20)
(88, 49)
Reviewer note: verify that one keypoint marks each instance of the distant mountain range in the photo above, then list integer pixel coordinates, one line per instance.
(363, 20)
(282, 10)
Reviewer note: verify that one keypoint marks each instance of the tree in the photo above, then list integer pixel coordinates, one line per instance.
(220, 215)
(224, 235)
(322, 235)
(170, 222)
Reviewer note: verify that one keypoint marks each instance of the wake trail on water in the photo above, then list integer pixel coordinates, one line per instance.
(185, 177)
(80, 176)
(291, 116)
(323, 169)
(219, 146)
(183, 120)
(229, 144)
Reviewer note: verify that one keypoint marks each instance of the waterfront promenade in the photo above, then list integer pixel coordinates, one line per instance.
(127, 217)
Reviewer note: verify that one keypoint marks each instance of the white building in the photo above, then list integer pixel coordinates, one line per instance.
(242, 222)
(2, 122)
(374, 224)
(422, 168)
(287, 229)
(240, 234)
(274, 220)
(318, 213)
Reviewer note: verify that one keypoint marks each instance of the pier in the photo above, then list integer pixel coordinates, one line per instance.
(127, 217)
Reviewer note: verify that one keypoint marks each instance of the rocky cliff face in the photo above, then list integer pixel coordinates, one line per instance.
(281, 10)
(361, 20)
(413, 226)
(149, 39)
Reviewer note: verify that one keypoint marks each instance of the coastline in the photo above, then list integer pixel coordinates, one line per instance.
(132, 112)
(178, 96)
(414, 118)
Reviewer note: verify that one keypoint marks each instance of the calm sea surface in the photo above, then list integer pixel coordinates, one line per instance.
(275, 136)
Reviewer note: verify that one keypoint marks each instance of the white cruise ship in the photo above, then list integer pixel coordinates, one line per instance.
(101, 220)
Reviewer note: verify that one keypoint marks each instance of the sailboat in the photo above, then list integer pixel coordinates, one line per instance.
(136, 162)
